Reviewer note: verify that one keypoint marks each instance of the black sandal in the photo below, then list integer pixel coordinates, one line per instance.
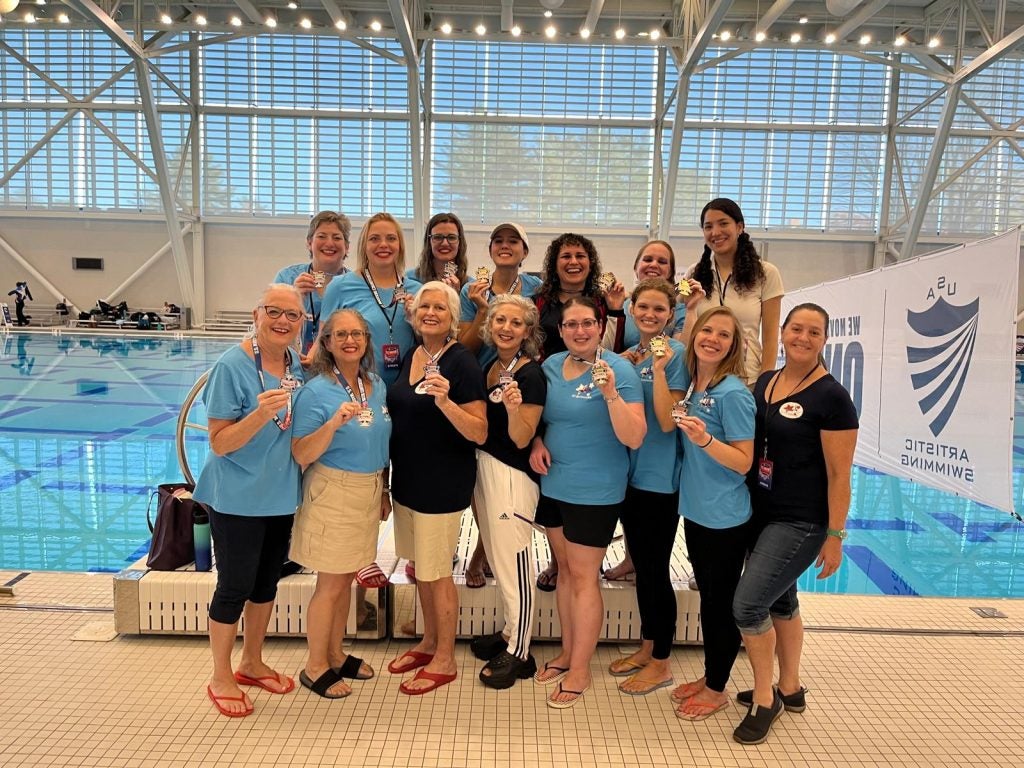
(351, 669)
(323, 684)
(505, 669)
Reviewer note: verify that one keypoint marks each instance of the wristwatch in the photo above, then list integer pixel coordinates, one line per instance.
(840, 534)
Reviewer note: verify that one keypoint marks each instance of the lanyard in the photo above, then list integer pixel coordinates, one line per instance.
(368, 279)
(258, 360)
(351, 394)
(768, 402)
(312, 307)
(721, 288)
(515, 361)
(432, 359)
(511, 289)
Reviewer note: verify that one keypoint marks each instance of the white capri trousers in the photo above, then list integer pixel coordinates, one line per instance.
(506, 501)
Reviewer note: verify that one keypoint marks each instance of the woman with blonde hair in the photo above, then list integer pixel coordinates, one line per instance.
(716, 429)
(341, 435)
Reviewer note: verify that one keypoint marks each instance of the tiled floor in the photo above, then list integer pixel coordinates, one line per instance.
(894, 681)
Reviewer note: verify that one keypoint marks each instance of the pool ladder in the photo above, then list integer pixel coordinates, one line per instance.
(184, 423)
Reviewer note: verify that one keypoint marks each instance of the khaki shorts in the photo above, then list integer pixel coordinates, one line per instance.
(337, 523)
(429, 540)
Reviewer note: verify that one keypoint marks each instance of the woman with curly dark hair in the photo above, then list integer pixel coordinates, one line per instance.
(444, 252)
(571, 269)
(731, 274)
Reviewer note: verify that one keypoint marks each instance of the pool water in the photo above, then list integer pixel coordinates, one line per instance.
(87, 433)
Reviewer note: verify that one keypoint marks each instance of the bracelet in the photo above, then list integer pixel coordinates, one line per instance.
(711, 439)
(612, 399)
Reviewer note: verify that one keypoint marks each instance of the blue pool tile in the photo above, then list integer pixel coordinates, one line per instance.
(11, 479)
(160, 418)
(882, 574)
(883, 525)
(18, 411)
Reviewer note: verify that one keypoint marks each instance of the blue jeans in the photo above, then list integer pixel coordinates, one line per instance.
(781, 552)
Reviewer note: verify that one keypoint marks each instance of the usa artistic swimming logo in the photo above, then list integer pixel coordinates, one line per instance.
(940, 357)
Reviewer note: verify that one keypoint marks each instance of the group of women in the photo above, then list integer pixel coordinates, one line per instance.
(559, 403)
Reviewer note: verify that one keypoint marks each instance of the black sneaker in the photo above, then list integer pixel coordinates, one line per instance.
(756, 726)
(794, 702)
(505, 669)
(486, 647)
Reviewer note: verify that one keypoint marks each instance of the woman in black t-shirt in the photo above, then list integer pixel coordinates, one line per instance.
(806, 433)
(507, 488)
(438, 413)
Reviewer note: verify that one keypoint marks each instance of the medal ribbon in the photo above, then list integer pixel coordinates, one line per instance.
(258, 360)
(511, 289)
(368, 279)
(352, 395)
(768, 403)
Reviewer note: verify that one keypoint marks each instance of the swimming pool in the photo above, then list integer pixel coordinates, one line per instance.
(87, 432)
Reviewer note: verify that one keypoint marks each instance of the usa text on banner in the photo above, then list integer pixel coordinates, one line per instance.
(925, 348)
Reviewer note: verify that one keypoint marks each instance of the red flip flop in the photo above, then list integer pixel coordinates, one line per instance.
(371, 577)
(261, 682)
(418, 660)
(436, 679)
(224, 710)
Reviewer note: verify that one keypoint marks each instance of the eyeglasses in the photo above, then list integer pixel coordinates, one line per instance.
(450, 239)
(586, 325)
(275, 312)
(346, 335)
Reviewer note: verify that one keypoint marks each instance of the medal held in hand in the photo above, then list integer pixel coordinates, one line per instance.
(600, 373)
(428, 370)
(679, 411)
(451, 269)
(483, 274)
(319, 279)
(658, 346)
(606, 281)
(400, 294)
(365, 417)
(683, 288)
(289, 382)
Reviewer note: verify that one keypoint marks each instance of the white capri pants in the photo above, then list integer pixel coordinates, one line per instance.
(506, 501)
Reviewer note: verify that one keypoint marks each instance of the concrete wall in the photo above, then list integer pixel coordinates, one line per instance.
(242, 256)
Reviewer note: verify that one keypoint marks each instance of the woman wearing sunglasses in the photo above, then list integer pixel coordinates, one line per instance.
(250, 482)
(593, 414)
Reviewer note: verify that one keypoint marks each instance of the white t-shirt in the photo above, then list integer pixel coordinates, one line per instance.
(747, 308)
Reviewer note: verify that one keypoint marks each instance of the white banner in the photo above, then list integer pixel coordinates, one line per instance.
(926, 349)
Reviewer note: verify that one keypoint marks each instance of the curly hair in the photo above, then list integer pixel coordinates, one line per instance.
(747, 270)
(425, 265)
(534, 339)
(552, 286)
(323, 362)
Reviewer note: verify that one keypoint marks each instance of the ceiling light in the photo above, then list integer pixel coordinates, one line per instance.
(830, 38)
(655, 34)
(550, 30)
(63, 18)
(803, 19)
(620, 33)
(293, 5)
(235, 21)
(865, 39)
(480, 29)
(376, 26)
(270, 21)
(200, 20)
(548, 14)
(795, 37)
(934, 42)
(446, 28)
(40, 2)
(725, 34)
(516, 30)
(29, 17)
(305, 23)
(900, 41)
(760, 36)
(584, 32)
(165, 18)
(340, 24)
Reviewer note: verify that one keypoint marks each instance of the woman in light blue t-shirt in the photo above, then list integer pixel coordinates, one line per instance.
(251, 485)
(717, 436)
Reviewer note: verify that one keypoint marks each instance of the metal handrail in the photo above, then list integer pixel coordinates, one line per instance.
(184, 423)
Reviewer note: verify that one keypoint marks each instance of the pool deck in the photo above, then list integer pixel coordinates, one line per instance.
(894, 681)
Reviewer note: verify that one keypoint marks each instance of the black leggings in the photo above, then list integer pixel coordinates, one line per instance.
(650, 521)
(717, 558)
(250, 552)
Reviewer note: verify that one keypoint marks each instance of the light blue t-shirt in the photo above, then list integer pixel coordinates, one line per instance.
(353, 448)
(631, 333)
(350, 291)
(488, 354)
(311, 303)
(654, 465)
(710, 494)
(588, 463)
(261, 478)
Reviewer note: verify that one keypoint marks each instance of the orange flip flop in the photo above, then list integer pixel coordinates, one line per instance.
(261, 682)
(437, 680)
(224, 710)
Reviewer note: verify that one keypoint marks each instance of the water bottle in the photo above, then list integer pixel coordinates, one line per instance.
(201, 534)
